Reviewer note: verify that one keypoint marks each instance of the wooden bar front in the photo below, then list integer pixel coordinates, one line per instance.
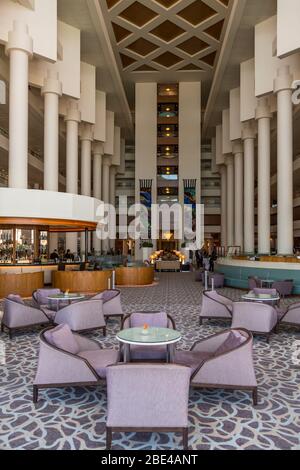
(142, 276)
(22, 284)
(81, 281)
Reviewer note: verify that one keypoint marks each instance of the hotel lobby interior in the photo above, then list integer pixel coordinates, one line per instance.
(119, 331)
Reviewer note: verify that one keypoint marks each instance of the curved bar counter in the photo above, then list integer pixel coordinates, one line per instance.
(134, 276)
(81, 281)
(237, 272)
(20, 283)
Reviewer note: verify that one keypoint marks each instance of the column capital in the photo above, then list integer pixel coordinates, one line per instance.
(52, 84)
(73, 113)
(106, 160)
(248, 131)
(237, 147)
(284, 79)
(98, 148)
(228, 159)
(86, 131)
(19, 39)
(263, 109)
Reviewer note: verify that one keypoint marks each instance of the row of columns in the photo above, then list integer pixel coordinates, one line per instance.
(237, 178)
(20, 49)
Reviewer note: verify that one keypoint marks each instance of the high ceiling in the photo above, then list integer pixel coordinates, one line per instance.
(165, 40)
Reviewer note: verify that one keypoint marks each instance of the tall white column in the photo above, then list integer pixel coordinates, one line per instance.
(263, 116)
(98, 151)
(223, 172)
(86, 158)
(285, 222)
(72, 122)
(248, 136)
(230, 200)
(51, 91)
(112, 194)
(106, 162)
(19, 48)
(237, 150)
(86, 138)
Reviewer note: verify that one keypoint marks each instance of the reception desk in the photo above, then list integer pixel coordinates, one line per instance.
(237, 271)
(20, 283)
(81, 281)
(134, 276)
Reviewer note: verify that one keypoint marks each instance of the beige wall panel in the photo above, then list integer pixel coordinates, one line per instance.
(266, 64)
(227, 146)
(116, 159)
(288, 30)
(110, 133)
(87, 103)
(68, 67)
(100, 125)
(235, 114)
(248, 98)
(42, 23)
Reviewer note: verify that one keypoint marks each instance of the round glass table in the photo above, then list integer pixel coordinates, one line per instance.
(65, 297)
(265, 298)
(152, 336)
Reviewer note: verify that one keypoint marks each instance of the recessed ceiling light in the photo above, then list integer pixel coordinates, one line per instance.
(168, 109)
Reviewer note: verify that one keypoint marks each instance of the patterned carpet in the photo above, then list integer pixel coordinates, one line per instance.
(74, 418)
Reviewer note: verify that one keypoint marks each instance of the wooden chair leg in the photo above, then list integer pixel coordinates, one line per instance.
(35, 396)
(2, 328)
(108, 438)
(104, 331)
(201, 321)
(255, 396)
(10, 333)
(185, 438)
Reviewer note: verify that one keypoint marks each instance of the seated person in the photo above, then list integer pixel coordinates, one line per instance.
(54, 256)
(69, 255)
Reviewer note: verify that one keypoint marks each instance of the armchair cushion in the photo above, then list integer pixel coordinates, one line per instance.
(192, 359)
(16, 298)
(62, 337)
(100, 359)
(233, 340)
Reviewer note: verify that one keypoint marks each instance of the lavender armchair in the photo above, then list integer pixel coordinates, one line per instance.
(68, 359)
(290, 315)
(157, 319)
(256, 317)
(215, 306)
(284, 288)
(147, 402)
(222, 361)
(111, 303)
(49, 307)
(82, 316)
(253, 282)
(17, 315)
(219, 279)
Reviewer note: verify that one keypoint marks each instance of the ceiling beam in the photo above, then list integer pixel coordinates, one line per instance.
(231, 31)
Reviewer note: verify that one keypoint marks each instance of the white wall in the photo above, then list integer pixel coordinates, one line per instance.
(235, 114)
(68, 66)
(288, 30)
(42, 23)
